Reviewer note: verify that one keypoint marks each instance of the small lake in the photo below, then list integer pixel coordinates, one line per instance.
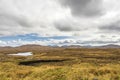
(22, 54)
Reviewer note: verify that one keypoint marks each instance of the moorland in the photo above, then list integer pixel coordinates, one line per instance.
(60, 63)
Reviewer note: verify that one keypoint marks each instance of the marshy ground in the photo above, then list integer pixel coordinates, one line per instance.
(62, 64)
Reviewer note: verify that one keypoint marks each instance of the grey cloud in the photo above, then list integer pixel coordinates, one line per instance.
(88, 8)
(11, 20)
(63, 27)
(113, 27)
(66, 26)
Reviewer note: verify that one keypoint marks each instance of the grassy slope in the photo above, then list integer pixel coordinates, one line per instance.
(62, 64)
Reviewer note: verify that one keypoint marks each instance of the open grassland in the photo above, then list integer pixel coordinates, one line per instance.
(61, 64)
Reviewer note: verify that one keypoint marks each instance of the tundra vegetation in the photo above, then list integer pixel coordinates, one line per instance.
(61, 64)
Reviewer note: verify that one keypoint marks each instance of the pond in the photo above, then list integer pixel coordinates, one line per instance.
(22, 54)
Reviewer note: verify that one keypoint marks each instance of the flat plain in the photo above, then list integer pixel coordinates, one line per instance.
(54, 63)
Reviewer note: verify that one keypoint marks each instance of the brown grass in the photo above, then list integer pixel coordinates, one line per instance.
(62, 64)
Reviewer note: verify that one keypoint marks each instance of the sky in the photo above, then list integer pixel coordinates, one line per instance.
(59, 22)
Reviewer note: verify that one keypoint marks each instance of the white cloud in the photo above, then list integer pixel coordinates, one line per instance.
(51, 18)
(30, 16)
(101, 40)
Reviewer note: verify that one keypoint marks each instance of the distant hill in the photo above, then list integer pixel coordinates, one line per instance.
(89, 46)
(71, 46)
(26, 48)
(103, 46)
(39, 48)
(110, 46)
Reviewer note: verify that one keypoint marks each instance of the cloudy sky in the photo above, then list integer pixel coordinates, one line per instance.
(59, 22)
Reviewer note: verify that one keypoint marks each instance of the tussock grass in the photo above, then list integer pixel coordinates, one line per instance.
(79, 64)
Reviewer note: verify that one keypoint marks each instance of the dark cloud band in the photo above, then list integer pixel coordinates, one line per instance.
(86, 8)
